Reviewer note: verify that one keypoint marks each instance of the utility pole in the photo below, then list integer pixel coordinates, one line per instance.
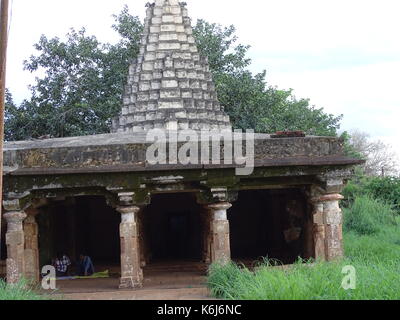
(3, 58)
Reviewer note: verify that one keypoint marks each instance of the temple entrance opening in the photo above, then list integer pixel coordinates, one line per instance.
(80, 225)
(173, 232)
(269, 223)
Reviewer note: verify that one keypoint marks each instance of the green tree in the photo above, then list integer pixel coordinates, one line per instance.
(82, 86)
(83, 83)
(349, 148)
(218, 44)
(247, 98)
(18, 119)
(10, 114)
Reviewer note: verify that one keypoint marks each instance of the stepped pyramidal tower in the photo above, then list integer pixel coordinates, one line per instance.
(170, 85)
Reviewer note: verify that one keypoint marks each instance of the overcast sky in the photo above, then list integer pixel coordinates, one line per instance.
(342, 54)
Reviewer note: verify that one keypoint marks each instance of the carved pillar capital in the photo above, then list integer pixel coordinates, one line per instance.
(219, 210)
(216, 195)
(18, 202)
(327, 198)
(14, 220)
(334, 181)
(128, 213)
(134, 198)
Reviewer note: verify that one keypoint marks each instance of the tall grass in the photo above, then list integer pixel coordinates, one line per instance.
(367, 216)
(20, 291)
(372, 246)
(321, 281)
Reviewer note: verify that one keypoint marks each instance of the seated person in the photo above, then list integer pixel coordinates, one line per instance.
(85, 266)
(62, 264)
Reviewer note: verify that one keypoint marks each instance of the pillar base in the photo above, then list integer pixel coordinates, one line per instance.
(130, 283)
(13, 273)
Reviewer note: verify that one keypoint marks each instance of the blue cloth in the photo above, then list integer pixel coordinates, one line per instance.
(86, 267)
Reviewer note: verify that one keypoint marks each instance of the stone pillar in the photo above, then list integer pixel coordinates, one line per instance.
(142, 240)
(318, 230)
(15, 242)
(327, 231)
(70, 207)
(32, 272)
(207, 236)
(308, 243)
(131, 271)
(139, 226)
(219, 225)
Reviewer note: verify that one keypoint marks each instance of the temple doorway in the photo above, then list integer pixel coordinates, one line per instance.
(172, 231)
(269, 224)
(80, 225)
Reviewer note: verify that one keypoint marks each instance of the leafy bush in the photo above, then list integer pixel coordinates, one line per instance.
(386, 189)
(352, 190)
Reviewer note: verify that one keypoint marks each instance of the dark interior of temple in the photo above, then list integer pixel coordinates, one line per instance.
(263, 223)
(80, 225)
(3, 248)
(268, 223)
(173, 228)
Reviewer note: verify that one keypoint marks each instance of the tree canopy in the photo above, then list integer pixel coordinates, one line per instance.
(82, 84)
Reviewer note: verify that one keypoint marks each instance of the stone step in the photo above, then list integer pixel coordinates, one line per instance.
(176, 267)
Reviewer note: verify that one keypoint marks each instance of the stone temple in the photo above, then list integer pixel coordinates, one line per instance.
(100, 194)
(170, 85)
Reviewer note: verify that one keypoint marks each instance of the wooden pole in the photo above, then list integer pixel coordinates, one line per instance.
(3, 56)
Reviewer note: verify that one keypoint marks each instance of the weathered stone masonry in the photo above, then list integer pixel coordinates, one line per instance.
(31, 246)
(22, 229)
(131, 272)
(220, 242)
(15, 240)
(328, 227)
(170, 87)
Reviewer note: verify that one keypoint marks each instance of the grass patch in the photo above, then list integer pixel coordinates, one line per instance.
(367, 216)
(372, 246)
(321, 281)
(18, 291)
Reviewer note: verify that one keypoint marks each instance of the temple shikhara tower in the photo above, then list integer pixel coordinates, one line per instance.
(101, 196)
(170, 85)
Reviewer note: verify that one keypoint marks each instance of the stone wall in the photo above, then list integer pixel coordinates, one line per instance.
(107, 152)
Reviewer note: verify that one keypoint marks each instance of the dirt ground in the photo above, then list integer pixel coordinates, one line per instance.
(157, 286)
